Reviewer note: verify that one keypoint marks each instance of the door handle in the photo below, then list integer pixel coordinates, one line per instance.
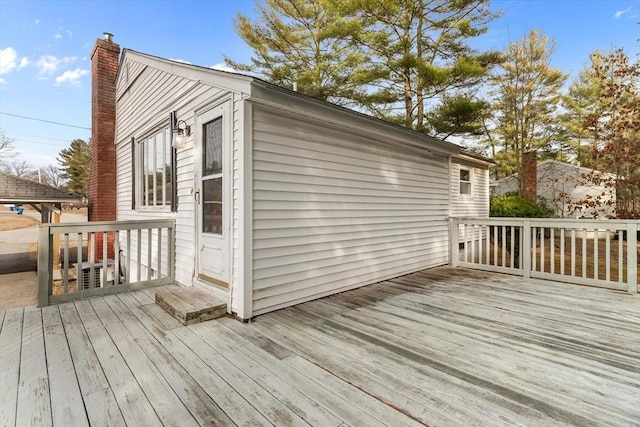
(196, 196)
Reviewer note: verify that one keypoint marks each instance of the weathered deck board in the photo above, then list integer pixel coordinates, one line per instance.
(34, 403)
(98, 397)
(438, 347)
(10, 347)
(66, 399)
(132, 401)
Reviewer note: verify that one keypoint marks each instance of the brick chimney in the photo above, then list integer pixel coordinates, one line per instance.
(530, 175)
(102, 177)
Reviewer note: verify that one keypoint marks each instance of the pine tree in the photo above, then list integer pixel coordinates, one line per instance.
(75, 164)
(307, 45)
(578, 103)
(527, 95)
(423, 46)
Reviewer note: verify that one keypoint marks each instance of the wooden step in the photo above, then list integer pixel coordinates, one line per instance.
(190, 305)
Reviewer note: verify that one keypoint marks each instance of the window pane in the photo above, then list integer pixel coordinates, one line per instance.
(156, 170)
(465, 175)
(212, 206)
(465, 188)
(212, 157)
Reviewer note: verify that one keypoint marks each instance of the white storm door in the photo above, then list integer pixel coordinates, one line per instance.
(212, 166)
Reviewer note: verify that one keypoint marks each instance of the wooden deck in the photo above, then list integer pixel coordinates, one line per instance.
(438, 347)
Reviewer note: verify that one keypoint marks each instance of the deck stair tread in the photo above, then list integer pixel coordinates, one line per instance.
(190, 305)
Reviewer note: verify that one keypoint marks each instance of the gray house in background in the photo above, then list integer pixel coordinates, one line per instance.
(565, 188)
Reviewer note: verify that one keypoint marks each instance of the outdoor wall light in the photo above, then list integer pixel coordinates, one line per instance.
(181, 130)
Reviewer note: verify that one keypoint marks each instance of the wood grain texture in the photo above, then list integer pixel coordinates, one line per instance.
(441, 346)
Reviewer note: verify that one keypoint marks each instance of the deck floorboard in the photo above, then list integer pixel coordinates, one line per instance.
(438, 347)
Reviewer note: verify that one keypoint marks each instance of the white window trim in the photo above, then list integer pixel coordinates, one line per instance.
(140, 175)
(470, 182)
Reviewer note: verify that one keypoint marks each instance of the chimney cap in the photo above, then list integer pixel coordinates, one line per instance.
(108, 36)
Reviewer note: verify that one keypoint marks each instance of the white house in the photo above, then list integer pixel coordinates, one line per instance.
(568, 189)
(278, 197)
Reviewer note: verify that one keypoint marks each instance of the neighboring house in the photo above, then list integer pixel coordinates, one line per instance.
(571, 191)
(278, 197)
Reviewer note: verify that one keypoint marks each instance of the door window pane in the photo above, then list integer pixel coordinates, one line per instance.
(212, 147)
(212, 206)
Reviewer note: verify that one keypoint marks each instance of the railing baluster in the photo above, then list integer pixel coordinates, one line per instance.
(608, 255)
(139, 255)
(573, 252)
(562, 254)
(487, 247)
(620, 256)
(105, 253)
(596, 261)
(552, 247)
(512, 247)
(92, 259)
(534, 254)
(584, 252)
(127, 276)
(159, 269)
(473, 244)
(466, 242)
(65, 264)
(542, 232)
(504, 246)
(116, 255)
(149, 250)
(496, 243)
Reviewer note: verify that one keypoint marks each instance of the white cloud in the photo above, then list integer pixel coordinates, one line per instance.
(8, 58)
(37, 21)
(57, 36)
(69, 33)
(619, 13)
(24, 62)
(71, 77)
(47, 64)
(2, 81)
(224, 67)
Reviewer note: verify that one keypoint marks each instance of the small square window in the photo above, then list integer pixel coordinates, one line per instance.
(465, 181)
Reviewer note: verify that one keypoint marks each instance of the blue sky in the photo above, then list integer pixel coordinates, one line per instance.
(45, 48)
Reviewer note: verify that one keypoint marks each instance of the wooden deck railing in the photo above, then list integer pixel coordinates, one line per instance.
(588, 252)
(77, 260)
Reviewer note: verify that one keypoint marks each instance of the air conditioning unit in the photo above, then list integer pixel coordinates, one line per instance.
(84, 274)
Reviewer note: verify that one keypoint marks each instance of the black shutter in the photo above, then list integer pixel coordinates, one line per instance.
(134, 176)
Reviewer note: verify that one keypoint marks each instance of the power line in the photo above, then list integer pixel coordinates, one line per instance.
(46, 121)
(41, 137)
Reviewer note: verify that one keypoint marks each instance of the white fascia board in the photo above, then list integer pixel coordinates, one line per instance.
(222, 79)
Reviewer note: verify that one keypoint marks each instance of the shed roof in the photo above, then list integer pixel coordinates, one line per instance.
(18, 190)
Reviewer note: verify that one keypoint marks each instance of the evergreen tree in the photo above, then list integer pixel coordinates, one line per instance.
(423, 46)
(306, 45)
(391, 58)
(527, 95)
(75, 164)
(578, 103)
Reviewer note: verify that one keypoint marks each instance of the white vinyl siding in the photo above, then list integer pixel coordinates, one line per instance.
(475, 204)
(142, 102)
(333, 211)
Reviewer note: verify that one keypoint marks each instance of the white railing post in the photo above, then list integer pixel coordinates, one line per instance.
(454, 231)
(632, 257)
(45, 261)
(526, 248)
